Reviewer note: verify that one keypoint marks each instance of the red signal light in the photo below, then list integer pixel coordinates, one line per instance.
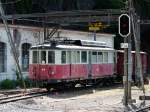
(124, 25)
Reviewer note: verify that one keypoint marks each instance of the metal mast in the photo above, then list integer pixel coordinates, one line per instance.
(135, 26)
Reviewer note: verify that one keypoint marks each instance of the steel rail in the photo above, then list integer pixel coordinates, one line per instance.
(146, 108)
(22, 97)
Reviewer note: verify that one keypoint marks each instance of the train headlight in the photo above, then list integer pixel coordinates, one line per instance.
(52, 72)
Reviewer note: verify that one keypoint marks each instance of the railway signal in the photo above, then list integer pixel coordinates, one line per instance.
(124, 25)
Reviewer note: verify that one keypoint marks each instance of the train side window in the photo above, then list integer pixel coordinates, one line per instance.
(68, 56)
(35, 57)
(100, 57)
(73, 57)
(94, 57)
(105, 57)
(43, 57)
(63, 57)
(78, 57)
(83, 56)
(51, 57)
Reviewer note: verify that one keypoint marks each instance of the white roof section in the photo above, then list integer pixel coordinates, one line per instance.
(82, 48)
(74, 47)
(91, 43)
(42, 45)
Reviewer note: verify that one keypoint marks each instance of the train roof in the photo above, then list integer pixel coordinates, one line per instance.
(69, 47)
(74, 44)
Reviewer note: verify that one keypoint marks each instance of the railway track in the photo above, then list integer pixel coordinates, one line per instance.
(22, 96)
(144, 109)
(8, 97)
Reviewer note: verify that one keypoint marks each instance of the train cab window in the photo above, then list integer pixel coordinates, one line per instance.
(105, 57)
(51, 57)
(35, 57)
(100, 57)
(63, 57)
(83, 56)
(94, 57)
(43, 57)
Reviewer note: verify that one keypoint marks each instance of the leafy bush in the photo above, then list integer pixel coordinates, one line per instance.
(11, 84)
(7, 84)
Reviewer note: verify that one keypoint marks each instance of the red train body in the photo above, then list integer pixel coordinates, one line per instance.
(120, 63)
(54, 63)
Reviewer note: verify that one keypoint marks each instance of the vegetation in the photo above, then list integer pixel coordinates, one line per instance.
(7, 84)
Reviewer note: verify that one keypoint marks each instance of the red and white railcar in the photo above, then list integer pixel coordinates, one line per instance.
(70, 61)
(78, 61)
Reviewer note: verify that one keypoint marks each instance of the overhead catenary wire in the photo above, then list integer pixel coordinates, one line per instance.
(12, 2)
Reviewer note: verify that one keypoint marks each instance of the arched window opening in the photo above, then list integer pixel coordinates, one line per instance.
(25, 56)
(3, 57)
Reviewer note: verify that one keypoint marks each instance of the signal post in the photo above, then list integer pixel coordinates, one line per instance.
(124, 31)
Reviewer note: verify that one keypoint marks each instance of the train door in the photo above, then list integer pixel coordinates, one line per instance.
(69, 61)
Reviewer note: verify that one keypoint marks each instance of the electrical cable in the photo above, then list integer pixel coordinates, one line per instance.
(13, 2)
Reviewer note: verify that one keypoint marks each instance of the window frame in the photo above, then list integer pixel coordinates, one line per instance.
(104, 57)
(94, 58)
(98, 57)
(86, 57)
(41, 57)
(25, 48)
(65, 57)
(75, 57)
(48, 56)
(38, 57)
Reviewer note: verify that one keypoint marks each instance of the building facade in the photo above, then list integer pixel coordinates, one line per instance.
(24, 37)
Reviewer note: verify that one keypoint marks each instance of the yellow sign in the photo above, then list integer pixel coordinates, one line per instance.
(97, 26)
(94, 28)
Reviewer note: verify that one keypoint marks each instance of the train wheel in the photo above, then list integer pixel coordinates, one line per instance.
(49, 88)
